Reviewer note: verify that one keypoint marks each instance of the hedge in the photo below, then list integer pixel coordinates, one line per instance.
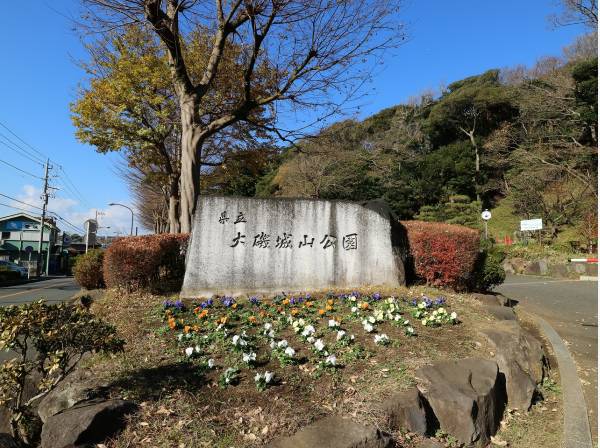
(154, 262)
(87, 269)
(442, 254)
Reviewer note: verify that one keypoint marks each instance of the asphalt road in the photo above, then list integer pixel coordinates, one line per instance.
(53, 290)
(571, 308)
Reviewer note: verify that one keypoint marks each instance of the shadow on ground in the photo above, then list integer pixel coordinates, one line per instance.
(152, 383)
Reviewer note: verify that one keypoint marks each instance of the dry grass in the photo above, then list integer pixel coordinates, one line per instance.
(182, 406)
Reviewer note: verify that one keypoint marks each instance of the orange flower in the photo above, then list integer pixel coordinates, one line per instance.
(196, 310)
(308, 304)
(329, 308)
(285, 301)
(234, 306)
(186, 329)
(364, 305)
(203, 314)
(172, 323)
(196, 328)
(252, 319)
(295, 311)
(222, 320)
(330, 302)
(262, 314)
(321, 311)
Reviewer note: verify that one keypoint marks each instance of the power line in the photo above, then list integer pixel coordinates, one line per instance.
(67, 222)
(51, 212)
(19, 149)
(19, 169)
(21, 202)
(72, 186)
(43, 156)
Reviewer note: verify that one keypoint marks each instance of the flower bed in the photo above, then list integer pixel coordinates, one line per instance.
(324, 333)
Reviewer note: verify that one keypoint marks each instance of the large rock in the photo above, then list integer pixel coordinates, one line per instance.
(520, 358)
(335, 432)
(501, 312)
(78, 387)
(87, 423)
(490, 299)
(406, 410)
(466, 396)
(242, 245)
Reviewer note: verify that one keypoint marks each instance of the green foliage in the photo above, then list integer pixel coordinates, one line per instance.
(48, 341)
(88, 269)
(459, 210)
(488, 270)
(585, 75)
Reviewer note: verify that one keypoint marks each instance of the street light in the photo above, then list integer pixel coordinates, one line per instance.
(128, 208)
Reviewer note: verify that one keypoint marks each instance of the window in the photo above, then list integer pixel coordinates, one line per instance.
(5, 235)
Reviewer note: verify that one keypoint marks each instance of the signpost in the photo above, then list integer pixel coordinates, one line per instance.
(533, 225)
(486, 215)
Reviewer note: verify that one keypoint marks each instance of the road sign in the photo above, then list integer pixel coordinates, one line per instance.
(486, 215)
(531, 224)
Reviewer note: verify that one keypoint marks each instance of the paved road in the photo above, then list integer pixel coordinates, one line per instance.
(53, 290)
(571, 308)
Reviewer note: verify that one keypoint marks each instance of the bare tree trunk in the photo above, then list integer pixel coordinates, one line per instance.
(174, 225)
(191, 146)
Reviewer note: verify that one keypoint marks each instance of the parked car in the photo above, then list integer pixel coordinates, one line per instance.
(14, 267)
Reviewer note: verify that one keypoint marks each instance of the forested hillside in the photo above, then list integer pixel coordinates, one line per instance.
(523, 139)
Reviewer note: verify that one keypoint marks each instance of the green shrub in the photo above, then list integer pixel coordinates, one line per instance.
(48, 341)
(88, 269)
(488, 270)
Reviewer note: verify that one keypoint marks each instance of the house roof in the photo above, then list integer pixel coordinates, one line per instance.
(48, 222)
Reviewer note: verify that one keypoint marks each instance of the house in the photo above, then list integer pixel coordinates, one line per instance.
(19, 240)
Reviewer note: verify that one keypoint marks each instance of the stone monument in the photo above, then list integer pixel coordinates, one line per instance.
(249, 245)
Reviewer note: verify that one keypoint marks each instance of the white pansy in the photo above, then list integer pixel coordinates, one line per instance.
(210, 363)
(354, 309)
(381, 338)
(290, 352)
(310, 339)
(257, 377)
(454, 316)
(368, 327)
(406, 322)
(189, 351)
(319, 345)
(197, 349)
(410, 330)
(331, 360)
(352, 298)
(340, 334)
(372, 319)
(180, 336)
(273, 344)
(333, 323)
(269, 377)
(268, 326)
(249, 357)
(424, 322)
(282, 344)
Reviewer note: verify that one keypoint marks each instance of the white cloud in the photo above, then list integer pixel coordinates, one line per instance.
(112, 220)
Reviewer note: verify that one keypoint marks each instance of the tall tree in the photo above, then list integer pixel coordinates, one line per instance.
(308, 50)
(130, 105)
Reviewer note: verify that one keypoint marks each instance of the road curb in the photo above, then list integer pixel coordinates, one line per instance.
(576, 424)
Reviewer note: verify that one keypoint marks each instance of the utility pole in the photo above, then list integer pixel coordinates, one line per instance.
(44, 204)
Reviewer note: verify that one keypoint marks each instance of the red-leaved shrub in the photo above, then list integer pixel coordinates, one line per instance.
(443, 254)
(155, 262)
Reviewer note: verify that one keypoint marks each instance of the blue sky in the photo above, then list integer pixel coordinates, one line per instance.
(39, 78)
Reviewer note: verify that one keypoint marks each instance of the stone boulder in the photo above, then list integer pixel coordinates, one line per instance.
(501, 312)
(78, 387)
(406, 410)
(520, 358)
(86, 423)
(466, 396)
(335, 432)
(490, 299)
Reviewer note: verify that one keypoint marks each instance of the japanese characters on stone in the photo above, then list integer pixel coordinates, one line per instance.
(286, 240)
